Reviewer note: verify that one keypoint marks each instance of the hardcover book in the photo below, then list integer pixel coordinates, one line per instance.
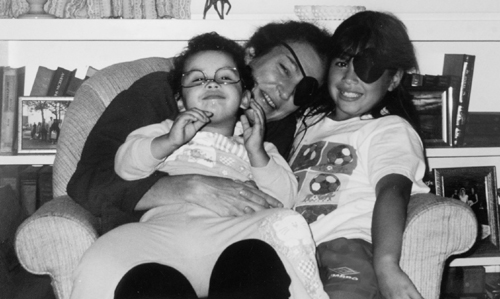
(42, 81)
(28, 188)
(12, 88)
(73, 85)
(59, 82)
(461, 68)
(44, 189)
(483, 129)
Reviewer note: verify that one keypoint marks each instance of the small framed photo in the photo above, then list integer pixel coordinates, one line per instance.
(433, 112)
(40, 122)
(475, 186)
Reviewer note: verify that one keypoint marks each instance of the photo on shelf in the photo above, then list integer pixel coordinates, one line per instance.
(40, 120)
(433, 111)
(475, 186)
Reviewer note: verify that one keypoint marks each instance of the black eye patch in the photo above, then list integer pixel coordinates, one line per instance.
(368, 65)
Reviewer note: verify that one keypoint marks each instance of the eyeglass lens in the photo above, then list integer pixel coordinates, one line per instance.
(221, 76)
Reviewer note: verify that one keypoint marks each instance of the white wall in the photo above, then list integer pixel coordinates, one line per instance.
(395, 6)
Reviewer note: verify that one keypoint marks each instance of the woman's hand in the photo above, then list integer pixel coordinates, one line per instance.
(226, 197)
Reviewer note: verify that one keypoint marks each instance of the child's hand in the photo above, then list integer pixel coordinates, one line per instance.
(395, 284)
(254, 135)
(187, 124)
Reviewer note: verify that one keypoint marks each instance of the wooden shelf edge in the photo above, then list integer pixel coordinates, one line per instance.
(451, 152)
(27, 160)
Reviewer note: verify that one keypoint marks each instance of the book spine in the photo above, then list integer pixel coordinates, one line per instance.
(460, 67)
(463, 109)
(41, 84)
(9, 109)
(59, 82)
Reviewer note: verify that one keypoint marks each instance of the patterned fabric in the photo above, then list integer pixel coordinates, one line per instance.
(101, 9)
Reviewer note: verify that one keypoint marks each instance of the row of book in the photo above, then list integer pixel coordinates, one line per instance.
(60, 82)
(32, 185)
(442, 101)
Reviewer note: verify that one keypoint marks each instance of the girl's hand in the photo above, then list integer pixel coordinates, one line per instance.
(254, 135)
(187, 124)
(395, 284)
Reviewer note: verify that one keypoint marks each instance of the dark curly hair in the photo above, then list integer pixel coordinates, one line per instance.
(210, 42)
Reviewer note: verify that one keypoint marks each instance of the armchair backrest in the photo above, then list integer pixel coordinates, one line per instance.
(90, 101)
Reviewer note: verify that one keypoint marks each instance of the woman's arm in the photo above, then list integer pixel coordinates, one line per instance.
(225, 197)
(389, 218)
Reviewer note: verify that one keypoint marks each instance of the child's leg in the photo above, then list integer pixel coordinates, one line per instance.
(154, 281)
(249, 269)
(346, 269)
(289, 234)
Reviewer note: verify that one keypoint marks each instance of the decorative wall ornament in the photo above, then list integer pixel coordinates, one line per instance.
(213, 3)
(102, 9)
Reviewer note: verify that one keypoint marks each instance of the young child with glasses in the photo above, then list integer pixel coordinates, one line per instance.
(204, 139)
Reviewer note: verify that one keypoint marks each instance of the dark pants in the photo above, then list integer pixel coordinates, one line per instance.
(248, 269)
(346, 269)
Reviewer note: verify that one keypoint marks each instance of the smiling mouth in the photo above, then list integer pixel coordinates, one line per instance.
(350, 94)
(213, 97)
(267, 99)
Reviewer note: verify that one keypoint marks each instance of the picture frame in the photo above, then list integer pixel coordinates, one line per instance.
(434, 107)
(475, 186)
(39, 123)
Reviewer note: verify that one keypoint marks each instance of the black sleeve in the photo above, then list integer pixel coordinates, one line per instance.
(281, 133)
(95, 185)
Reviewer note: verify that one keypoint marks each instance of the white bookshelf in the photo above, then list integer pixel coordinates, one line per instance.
(99, 43)
(27, 160)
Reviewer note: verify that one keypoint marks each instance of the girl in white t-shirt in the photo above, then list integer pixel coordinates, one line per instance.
(359, 161)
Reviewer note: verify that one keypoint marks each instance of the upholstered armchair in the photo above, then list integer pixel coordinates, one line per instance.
(54, 238)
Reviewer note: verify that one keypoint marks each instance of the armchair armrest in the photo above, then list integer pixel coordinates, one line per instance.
(41, 251)
(436, 228)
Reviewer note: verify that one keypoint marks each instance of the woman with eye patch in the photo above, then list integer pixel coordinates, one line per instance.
(359, 161)
(288, 63)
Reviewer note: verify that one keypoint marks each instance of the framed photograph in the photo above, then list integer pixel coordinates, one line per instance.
(475, 186)
(433, 108)
(39, 123)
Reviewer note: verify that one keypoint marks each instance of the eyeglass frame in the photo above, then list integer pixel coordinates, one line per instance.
(206, 80)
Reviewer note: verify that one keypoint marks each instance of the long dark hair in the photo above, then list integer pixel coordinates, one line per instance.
(388, 35)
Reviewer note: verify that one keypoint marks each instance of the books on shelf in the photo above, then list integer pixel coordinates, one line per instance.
(59, 82)
(483, 129)
(11, 87)
(41, 84)
(460, 67)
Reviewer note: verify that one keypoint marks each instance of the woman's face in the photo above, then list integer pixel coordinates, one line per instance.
(352, 96)
(276, 75)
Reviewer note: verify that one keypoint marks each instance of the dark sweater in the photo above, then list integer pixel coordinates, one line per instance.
(97, 187)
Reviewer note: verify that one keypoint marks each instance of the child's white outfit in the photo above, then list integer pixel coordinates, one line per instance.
(338, 164)
(190, 238)
(207, 154)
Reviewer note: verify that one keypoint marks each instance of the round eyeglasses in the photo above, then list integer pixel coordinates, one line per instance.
(225, 76)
